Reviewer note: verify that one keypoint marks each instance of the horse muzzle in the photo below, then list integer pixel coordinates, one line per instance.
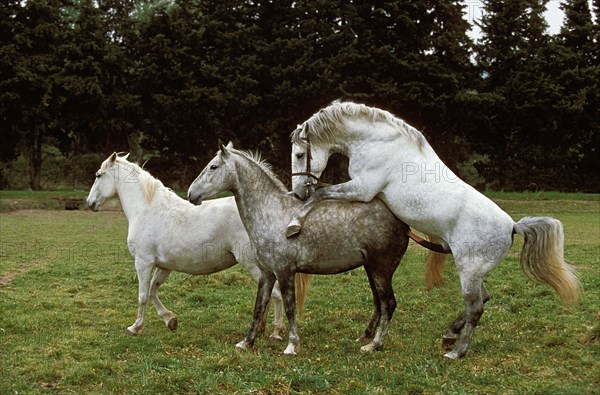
(93, 206)
(195, 199)
(305, 190)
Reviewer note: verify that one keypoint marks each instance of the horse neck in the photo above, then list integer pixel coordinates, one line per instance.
(414, 161)
(259, 199)
(360, 141)
(132, 197)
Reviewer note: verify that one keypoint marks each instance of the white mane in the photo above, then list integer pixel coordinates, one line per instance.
(135, 173)
(327, 125)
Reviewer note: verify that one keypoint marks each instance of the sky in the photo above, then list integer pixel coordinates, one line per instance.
(554, 16)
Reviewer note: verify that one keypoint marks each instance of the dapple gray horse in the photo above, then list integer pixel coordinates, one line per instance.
(337, 236)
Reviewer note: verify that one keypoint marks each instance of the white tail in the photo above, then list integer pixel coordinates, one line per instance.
(542, 256)
(303, 282)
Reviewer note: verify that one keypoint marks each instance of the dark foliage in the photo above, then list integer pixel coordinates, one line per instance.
(165, 79)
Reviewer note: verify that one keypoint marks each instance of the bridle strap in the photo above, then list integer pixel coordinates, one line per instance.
(308, 172)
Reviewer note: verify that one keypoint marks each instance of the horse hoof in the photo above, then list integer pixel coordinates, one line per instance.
(172, 324)
(369, 348)
(448, 341)
(290, 350)
(292, 230)
(276, 337)
(242, 346)
(452, 355)
(129, 331)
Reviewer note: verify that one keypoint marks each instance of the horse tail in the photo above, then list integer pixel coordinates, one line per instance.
(542, 256)
(434, 269)
(434, 266)
(303, 282)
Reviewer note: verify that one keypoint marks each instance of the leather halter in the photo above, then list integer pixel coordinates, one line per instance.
(308, 172)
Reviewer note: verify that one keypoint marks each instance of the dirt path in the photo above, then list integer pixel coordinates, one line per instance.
(6, 279)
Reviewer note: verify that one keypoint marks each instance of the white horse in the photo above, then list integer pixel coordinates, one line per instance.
(393, 161)
(167, 233)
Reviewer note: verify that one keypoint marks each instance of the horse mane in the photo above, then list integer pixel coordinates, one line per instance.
(327, 125)
(147, 181)
(266, 167)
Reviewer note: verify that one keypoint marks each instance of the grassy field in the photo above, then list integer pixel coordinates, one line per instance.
(68, 290)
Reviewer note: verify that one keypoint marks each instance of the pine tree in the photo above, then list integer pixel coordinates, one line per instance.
(514, 56)
(451, 78)
(577, 32)
(80, 79)
(39, 29)
(10, 57)
(578, 80)
(596, 7)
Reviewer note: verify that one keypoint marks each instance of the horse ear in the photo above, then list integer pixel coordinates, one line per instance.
(126, 155)
(225, 149)
(112, 158)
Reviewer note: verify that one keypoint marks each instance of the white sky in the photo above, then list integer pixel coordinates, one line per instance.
(554, 16)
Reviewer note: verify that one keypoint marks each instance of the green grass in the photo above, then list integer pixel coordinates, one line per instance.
(50, 200)
(47, 200)
(70, 290)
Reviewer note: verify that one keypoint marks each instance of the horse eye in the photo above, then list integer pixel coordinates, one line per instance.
(300, 155)
(214, 167)
(98, 175)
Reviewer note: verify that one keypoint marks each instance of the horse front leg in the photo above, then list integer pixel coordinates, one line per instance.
(265, 287)
(387, 300)
(374, 323)
(354, 191)
(144, 274)
(168, 317)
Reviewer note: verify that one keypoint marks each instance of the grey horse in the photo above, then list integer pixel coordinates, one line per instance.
(336, 237)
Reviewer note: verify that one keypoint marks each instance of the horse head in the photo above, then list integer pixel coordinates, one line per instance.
(308, 162)
(214, 178)
(104, 186)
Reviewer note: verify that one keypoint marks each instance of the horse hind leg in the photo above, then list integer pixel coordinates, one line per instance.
(278, 314)
(287, 286)
(472, 288)
(457, 325)
(168, 317)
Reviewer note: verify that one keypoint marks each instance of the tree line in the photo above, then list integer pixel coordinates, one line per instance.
(164, 79)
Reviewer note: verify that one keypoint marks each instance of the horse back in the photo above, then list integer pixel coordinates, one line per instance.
(369, 227)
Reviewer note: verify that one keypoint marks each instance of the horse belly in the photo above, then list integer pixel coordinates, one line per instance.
(200, 258)
(333, 264)
(197, 267)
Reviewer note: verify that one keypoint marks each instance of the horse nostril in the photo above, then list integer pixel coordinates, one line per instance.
(197, 200)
